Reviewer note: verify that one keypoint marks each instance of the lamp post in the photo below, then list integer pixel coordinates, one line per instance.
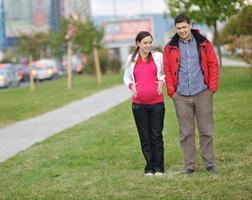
(114, 9)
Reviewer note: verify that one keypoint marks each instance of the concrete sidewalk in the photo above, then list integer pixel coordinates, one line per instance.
(234, 63)
(22, 135)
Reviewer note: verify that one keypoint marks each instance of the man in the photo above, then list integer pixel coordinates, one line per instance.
(191, 69)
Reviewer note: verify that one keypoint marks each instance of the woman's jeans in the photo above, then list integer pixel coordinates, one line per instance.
(149, 120)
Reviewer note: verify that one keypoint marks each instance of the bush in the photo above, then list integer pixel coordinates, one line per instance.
(237, 34)
(107, 64)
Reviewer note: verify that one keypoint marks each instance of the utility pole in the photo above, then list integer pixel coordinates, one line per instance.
(142, 7)
(114, 9)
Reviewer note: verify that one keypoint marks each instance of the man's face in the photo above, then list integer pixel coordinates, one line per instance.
(184, 30)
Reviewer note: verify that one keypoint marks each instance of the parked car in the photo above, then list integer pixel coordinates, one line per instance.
(77, 64)
(23, 72)
(8, 77)
(46, 69)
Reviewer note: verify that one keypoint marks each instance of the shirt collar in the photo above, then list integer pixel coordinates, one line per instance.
(188, 41)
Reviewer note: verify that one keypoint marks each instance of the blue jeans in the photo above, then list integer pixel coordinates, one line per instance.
(150, 122)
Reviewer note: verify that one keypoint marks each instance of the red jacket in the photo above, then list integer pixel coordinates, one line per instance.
(207, 57)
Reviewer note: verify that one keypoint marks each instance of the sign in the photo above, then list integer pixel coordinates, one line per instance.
(126, 30)
(26, 16)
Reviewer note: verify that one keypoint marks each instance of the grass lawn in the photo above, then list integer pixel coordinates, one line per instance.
(20, 103)
(101, 158)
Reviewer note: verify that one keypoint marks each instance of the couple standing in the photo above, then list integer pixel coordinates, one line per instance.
(189, 69)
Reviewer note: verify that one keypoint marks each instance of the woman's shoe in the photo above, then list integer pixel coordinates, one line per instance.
(159, 174)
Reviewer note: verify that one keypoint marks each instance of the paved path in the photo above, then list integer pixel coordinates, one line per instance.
(235, 63)
(22, 135)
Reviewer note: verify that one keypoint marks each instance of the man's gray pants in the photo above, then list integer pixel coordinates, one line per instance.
(189, 108)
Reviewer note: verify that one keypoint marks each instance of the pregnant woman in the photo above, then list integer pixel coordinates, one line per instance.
(144, 76)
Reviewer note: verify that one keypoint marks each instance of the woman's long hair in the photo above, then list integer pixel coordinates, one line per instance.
(141, 35)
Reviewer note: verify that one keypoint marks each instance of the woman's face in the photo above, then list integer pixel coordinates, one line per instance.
(145, 45)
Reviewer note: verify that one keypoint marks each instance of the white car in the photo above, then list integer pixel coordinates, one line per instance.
(45, 69)
(8, 77)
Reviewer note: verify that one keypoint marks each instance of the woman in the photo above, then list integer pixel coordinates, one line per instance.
(145, 78)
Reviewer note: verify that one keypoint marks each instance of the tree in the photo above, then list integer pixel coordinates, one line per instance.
(87, 37)
(237, 33)
(207, 11)
(57, 42)
(34, 45)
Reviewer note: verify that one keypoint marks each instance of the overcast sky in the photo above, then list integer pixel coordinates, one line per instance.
(126, 7)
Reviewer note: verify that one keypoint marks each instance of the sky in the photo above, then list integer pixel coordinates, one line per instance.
(126, 7)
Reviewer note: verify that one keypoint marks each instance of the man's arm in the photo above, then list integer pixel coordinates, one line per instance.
(167, 71)
(213, 68)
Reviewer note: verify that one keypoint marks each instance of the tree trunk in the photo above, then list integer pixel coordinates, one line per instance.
(32, 87)
(69, 64)
(216, 36)
(97, 66)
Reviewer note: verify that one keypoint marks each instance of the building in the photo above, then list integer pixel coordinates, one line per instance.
(80, 8)
(26, 16)
(120, 32)
(31, 16)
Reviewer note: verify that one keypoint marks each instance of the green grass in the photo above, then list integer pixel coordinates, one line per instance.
(101, 158)
(20, 103)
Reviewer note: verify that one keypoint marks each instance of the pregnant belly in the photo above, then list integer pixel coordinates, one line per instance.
(147, 93)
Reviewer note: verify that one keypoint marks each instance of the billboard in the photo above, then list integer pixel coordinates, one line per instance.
(125, 31)
(26, 16)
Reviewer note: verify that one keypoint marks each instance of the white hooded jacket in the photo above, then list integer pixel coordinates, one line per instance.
(129, 68)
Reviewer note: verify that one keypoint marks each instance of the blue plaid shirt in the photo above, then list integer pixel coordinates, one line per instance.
(190, 77)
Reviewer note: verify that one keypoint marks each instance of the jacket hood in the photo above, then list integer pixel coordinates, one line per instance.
(200, 39)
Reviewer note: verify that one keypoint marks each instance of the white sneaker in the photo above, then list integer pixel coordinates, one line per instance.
(148, 174)
(159, 174)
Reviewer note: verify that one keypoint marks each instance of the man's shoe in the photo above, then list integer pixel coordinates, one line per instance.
(189, 171)
(148, 174)
(212, 169)
(159, 174)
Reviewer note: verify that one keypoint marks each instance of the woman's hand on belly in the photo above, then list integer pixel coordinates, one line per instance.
(160, 87)
(147, 92)
(133, 90)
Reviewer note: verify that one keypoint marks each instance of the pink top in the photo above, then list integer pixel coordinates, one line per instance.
(146, 79)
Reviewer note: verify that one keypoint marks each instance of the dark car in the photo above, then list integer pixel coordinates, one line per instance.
(23, 72)
(77, 65)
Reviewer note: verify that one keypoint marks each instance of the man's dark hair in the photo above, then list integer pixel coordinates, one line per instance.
(182, 18)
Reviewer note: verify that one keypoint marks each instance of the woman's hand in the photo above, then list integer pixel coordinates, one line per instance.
(133, 89)
(160, 87)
